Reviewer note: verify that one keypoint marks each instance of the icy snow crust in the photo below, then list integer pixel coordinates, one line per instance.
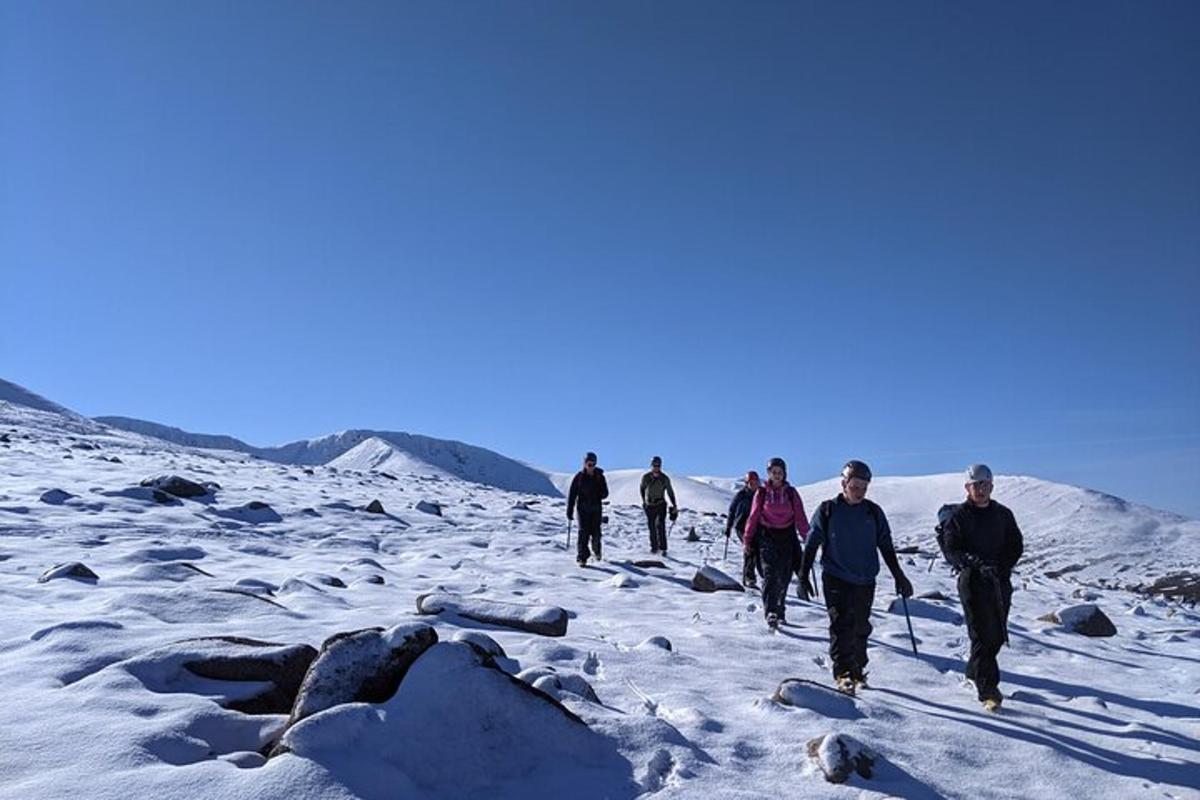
(98, 703)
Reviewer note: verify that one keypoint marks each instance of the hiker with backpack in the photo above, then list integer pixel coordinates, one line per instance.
(655, 489)
(851, 532)
(739, 513)
(776, 526)
(589, 487)
(981, 540)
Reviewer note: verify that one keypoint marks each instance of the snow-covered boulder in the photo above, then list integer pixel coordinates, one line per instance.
(557, 685)
(1085, 618)
(839, 756)
(255, 512)
(544, 620)
(816, 697)
(177, 486)
(482, 641)
(459, 727)
(658, 642)
(362, 666)
(72, 569)
(711, 579)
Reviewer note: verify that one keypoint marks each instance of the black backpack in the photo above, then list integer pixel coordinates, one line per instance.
(944, 514)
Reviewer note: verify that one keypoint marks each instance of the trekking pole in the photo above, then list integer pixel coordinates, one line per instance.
(1000, 605)
(725, 555)
(569, 521)
(908, 619)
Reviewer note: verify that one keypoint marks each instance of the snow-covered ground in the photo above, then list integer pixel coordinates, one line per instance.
(97, 705)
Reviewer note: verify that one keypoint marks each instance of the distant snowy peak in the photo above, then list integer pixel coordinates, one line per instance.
(176, 435)
(378, 455)
(19, 395)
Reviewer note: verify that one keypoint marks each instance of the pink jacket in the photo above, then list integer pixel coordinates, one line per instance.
(776, 508)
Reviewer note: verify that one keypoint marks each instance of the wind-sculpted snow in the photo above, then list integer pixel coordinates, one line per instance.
(652, 688)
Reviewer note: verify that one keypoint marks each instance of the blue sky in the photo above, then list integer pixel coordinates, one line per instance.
(920, 234)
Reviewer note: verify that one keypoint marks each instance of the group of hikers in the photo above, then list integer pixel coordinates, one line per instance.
(978, 537)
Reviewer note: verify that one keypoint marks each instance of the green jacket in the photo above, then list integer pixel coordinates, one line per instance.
(655, 490)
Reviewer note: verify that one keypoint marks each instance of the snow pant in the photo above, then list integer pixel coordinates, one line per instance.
(776, 547)
(985, 602)
(589, 534)
(656, 519)
(849, 607)
(749, 561)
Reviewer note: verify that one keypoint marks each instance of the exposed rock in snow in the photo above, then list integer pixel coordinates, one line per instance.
(55, 497)
(177, 486)
(711, 579)
(839, 756)
(660, 642)
(362, 666)
(926, 610)
(558, 684)
(428, 507)
(546, 620)
(1085, 618)
(237, 659)
(375, 507)
(73, 569)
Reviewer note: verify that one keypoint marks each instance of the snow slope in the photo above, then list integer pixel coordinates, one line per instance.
(94, 709)
(624, 489)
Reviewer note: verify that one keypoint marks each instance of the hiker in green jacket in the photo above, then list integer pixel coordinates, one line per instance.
(655, 489)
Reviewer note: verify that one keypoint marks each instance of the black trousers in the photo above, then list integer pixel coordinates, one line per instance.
(849, 607)
(749, 561)
(656, 519)
(985, 601)
(589, 534)
(776, 547)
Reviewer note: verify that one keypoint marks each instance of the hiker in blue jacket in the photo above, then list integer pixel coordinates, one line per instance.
(739, 513)
(851, 532)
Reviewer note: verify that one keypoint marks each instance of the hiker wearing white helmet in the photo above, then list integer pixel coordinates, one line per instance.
(981, 540)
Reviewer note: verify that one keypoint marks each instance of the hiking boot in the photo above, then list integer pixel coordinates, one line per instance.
(773, 621)
(992, 700)
(582, 562)
(860, 680)
(845, 684)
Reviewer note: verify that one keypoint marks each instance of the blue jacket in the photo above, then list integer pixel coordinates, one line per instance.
(739, 509)
(850, 541)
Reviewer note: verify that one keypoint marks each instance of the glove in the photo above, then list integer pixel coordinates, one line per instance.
(673, 513)
(570, 516)
(904, 586)
(804, 588)
(727, 533)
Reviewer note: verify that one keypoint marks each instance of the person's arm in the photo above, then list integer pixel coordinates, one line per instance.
(671, 492)
(883, 540)
(603, 485)
(1014, 544)
(572, 496)
(642, 488)
(733, 507)
(802, 526)
(752, 520)
(953, 542)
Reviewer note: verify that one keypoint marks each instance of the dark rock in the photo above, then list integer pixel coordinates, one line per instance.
(839, 756)
(56, 497)
(283, 666)
(163, 498)
(692, 536)
(375, 507)
(711, 579)
(1086, 619)
(364, 666)
(430, 507)
(328, 580)
(84, 446)
(177, 486)
(908, 550)
(388, 475)
(73, 569)
(661, 642)
(650, 563)
(1183, 586)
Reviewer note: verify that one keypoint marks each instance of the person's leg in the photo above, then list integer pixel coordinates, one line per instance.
(660, 527)
(985, 627)
(774, 568)
(840, 606)
(590, 530)
(864, 598)
(650, 525)
(581, 541)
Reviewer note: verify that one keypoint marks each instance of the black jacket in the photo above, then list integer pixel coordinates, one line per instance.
(739, 509)
(587, 491)
(983, 536)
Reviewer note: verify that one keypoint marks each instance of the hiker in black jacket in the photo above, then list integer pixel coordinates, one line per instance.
(588, 490)
(739, 512)
(982, 540)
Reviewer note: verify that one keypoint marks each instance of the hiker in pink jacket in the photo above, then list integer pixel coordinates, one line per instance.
(776, 527)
